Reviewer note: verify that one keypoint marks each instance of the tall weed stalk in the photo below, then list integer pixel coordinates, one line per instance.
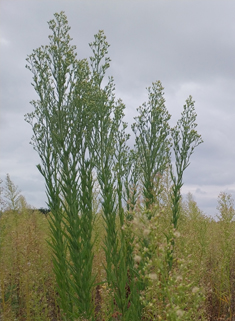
(185, 140)
(109, 147)
(59, 122)
(152, 142)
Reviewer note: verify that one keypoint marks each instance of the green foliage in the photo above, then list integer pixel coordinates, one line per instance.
(110, 154)
(152, 142)
(80, 136)
(62, 129)
(185, 140)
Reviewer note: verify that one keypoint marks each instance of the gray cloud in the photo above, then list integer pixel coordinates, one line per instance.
(188, 45)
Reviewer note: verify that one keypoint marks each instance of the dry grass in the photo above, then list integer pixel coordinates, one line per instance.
(205, 252)
(27, 281)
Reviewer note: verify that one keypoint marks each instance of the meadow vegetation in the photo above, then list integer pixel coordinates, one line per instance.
(119, 242)
(200, 286)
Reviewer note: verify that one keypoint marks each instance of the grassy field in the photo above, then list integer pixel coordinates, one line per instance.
(201, 285)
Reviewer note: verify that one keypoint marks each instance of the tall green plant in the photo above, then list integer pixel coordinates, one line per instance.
(109, 142)
(127, 190)
(61, 124)
(185, 140)
(152, 142)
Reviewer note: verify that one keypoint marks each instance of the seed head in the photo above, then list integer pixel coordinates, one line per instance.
(195, 289)
(137, 258)
(146, 232)
(177, 234)
(179, 278)
(180, 313)
(153, 276)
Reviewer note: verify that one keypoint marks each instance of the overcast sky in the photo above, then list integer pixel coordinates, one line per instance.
(188, 45)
